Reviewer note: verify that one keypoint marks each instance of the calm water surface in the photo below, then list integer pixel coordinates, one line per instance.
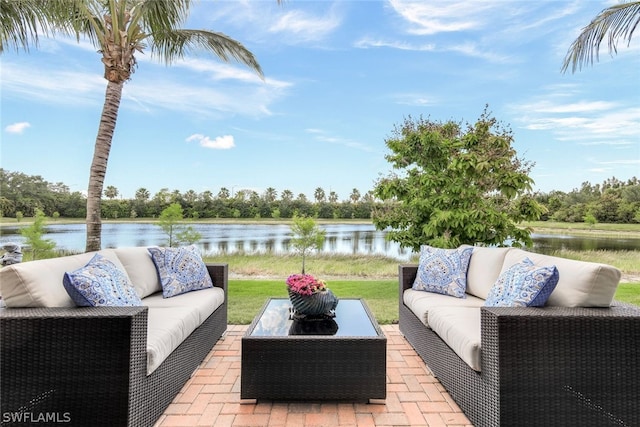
(276, 238)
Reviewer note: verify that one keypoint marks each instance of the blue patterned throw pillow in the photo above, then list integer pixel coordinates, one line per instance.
(100, 283)
(180, 270)
(523, 285)
(443, 271)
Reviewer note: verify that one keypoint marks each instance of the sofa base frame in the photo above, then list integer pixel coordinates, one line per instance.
(540, 366)
(88, 366)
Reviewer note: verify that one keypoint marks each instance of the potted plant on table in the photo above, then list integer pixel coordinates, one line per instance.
(309, 295)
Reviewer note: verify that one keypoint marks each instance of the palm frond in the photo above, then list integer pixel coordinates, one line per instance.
(23, 21)
(172, 45)
(619, 22)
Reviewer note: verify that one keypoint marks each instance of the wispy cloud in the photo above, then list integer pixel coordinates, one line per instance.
(224, 142)
(415, 99)
(304, 27)
(18, 128)
(200, 94)
(367, 42)
(57, 87)
(432, 17)
(585, 122)
(322, 136)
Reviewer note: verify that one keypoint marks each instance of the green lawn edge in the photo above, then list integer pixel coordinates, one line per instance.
(248, 296)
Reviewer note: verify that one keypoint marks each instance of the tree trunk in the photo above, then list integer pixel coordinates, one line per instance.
(99, 164)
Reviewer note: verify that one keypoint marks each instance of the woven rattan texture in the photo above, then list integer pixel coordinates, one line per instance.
(87, 366)
(540, 366)
(314, 367)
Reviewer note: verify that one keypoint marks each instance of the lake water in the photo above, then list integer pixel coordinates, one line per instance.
(276, 238)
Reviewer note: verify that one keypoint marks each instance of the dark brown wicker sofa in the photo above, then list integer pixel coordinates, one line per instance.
(539, 366)
(92, 366)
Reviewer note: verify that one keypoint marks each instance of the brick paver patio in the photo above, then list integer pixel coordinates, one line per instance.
(212, 396)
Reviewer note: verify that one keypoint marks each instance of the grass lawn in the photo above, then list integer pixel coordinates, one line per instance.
(246, 297)
(628, 292)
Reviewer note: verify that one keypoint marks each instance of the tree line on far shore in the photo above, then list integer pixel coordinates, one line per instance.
(612, 201)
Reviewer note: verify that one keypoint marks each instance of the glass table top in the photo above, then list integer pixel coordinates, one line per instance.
(351, 320)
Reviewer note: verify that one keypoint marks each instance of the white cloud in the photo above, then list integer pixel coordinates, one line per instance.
(305, 27)
(246, 94)
(17, 127)
(434, 17)
(367, 42)
(415, 99)
(584, 122)
(59, 87)
(321, 136)
(224, 142)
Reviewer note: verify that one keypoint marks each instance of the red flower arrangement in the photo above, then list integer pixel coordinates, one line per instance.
(305, 284)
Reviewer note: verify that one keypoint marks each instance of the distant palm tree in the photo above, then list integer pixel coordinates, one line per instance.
(111, 192)
(319, 194)
(619, 21)
(119, 29)
(270, 195)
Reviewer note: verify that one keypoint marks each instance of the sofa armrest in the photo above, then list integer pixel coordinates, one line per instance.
(78, 363)
(406, 275)
(583, 360)
(220, 276)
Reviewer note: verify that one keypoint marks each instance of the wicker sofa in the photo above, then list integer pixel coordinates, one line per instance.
(573, 362)
(100, 366)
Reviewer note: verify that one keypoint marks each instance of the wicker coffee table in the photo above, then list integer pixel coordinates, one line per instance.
(343, 358)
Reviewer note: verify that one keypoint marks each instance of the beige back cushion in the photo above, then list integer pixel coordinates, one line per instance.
(39, 283)
(581, 284)
(141, 270)
(484, 269)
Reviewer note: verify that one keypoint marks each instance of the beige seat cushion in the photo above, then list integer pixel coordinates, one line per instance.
(581, 284)
(459, 328)
(484, 269)
(39, 283)
(141, 270)
(421, 302)
(204, 301)
(167, 327)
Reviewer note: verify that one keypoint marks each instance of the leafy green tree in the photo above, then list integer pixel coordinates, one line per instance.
(618, 21)
(170, 220)
(39, 247)
(307, 236)
(590, 220)
(455, 185)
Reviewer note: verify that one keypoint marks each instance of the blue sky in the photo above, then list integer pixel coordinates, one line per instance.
(338, 76)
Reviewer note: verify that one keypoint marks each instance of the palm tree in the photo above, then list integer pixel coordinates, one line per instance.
(270, 195)
(111, 192)
(618, 21)
(319, 194)
(355, 195)
(119, 29)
